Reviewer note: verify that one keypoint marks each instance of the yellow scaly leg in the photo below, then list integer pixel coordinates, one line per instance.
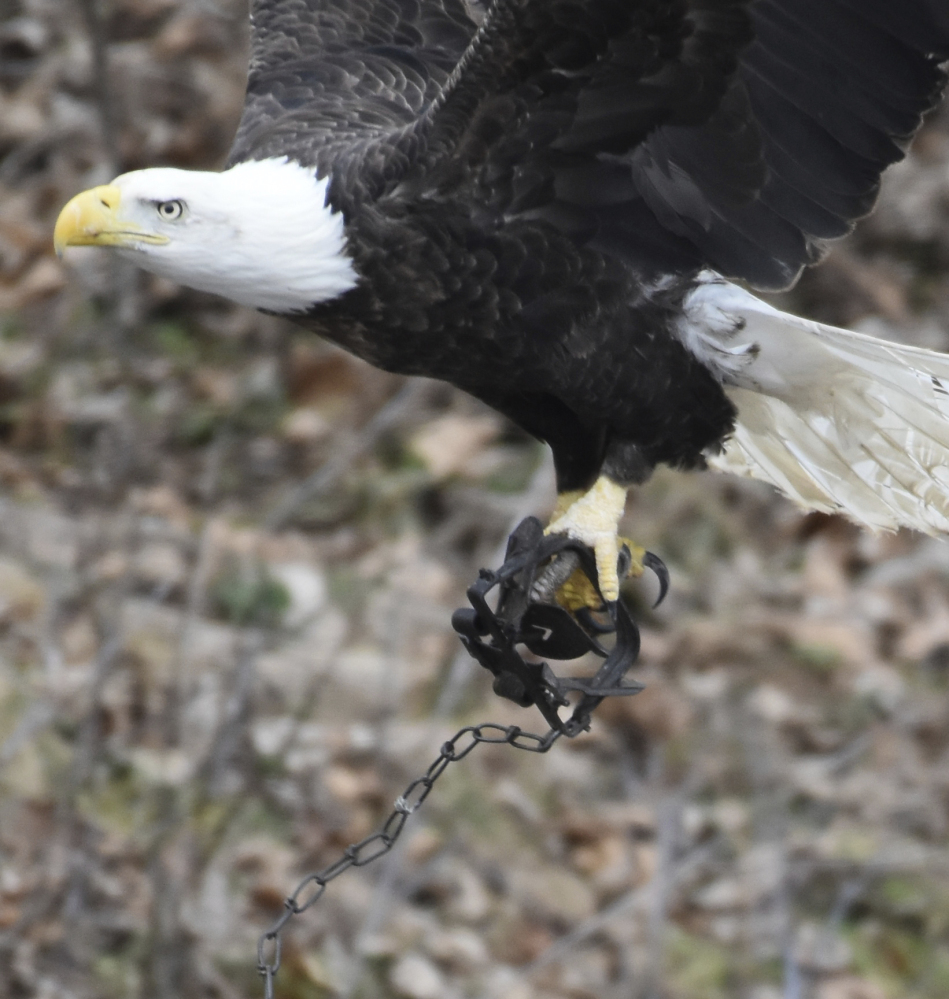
(593, 518)
(565, 500)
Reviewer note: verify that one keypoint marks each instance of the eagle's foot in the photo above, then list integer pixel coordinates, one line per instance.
(592, 518)
(578, 591)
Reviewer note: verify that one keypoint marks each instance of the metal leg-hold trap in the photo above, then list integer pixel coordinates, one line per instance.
(527, 618)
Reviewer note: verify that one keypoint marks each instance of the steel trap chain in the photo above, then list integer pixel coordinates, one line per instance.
(525, 616)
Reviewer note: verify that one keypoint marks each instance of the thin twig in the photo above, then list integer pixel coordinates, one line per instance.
(105, 105)
(36, 718)
(197, 589)
(89, 732)
(636, 899)
(325, 477)
(125, 307)
(234, 715)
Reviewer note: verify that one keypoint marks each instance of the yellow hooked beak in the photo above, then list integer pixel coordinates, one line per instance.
(93, 218)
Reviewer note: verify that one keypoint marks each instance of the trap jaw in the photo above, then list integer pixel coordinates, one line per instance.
(525, 618)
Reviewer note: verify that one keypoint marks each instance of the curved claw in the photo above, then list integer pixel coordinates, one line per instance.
(651, 561)
(585, 616)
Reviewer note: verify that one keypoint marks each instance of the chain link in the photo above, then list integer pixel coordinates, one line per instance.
(310, 890)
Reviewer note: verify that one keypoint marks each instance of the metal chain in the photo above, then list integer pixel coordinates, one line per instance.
(493, 637)
(310, 890)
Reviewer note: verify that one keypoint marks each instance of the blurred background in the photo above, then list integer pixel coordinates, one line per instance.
(229, 554)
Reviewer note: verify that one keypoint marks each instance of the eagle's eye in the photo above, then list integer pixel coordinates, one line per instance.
(170, 210)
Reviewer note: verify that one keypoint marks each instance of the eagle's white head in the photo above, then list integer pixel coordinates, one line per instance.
(260, 233)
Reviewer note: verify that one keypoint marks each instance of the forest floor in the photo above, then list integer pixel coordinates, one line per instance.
(229, 554)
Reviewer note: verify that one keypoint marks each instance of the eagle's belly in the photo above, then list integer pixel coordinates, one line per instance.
(525, 314)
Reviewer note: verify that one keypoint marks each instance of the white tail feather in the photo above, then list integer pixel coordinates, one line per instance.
(838, 421)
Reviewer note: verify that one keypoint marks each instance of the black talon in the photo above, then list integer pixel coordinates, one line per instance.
(658, 567)
(623, 561)
(585, 616)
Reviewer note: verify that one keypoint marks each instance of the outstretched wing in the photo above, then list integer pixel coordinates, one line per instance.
(740, 144)
(679, 134)
(328, 75)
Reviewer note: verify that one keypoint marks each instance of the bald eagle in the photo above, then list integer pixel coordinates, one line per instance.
(547, 203)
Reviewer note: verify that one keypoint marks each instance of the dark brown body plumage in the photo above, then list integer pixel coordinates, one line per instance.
(530, 190)
(563, 340)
